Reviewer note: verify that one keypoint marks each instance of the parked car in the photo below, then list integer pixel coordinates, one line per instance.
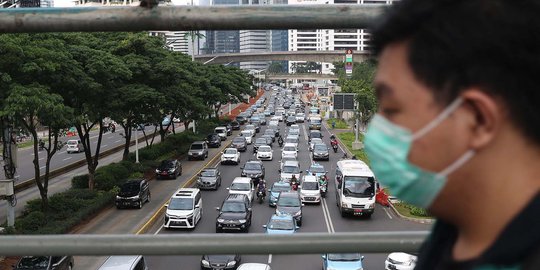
(234, 214)
(213, 140)
(170, 168)
(45, 263)
(281, 224)
(74, 146)
(209, 178)
(240, 143)
(289, 203)
(198, 150)
(211, 262)
(230, 156)
(133, 193)
(342, 261)
(184, 209)
(400, 261)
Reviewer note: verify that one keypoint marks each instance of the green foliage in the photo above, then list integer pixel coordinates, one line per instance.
(347, 138)
(340, 123)
(411, 210)
(80, 181)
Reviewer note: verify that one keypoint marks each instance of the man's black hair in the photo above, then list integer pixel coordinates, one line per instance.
(490, 44)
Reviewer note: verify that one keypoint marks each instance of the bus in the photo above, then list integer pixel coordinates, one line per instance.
(355, 188)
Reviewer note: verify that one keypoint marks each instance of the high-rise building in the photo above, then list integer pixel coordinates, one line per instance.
(222, 41)
(255, 41)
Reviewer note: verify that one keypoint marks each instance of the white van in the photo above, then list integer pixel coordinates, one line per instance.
(124, 263)
(74, 146)
(355, 188)
(222, 132)
(309, 190)
(184, 209)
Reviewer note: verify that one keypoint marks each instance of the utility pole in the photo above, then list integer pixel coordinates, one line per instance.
(137, 144)
(9, 156)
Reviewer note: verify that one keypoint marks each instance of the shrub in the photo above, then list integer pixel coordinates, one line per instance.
(417, 211)
(117, 170)
(104, 180)
(31, 222)
(80, 181)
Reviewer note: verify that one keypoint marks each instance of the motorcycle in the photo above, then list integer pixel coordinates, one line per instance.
(294, 186)
(334, 144)
(280, 142)
(322, 189)
(260, 196)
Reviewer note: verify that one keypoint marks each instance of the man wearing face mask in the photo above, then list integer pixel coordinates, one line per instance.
(458, 127)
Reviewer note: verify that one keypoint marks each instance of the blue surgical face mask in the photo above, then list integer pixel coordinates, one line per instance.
(388, 146)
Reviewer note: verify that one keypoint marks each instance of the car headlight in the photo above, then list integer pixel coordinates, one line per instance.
(157, 171)
(118, 197)
(278, 212)
(205, 263)
(230, 264)
(200, 153)
(220, 220)
(344, 205)
(242, 220)
(371, 205)
(298, 213)
(135, 197)
(171, 170)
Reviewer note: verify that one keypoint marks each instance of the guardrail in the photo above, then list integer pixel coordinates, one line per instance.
(197, 244)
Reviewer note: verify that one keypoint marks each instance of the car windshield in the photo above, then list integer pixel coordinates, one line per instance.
(72, 143)
(39, 262)
(166, 164)
(264, 149)
(196, 146)
(289, 201)
(221, 130)
(316, 141)
(209, 173)
(246, 133)
(238, 140)
(261, 141)
(291, 140)
(316, 169)
(360, 187)
(289, 148)
(248, 127)
(310, 186)
(315, 135)
(130, 187)
(231, 151)
(235, 207)
(281, 224)
(279, 188)
(344, 257)
(252, 166)
(315, 121)
(291, 169)
(240, 186)
(181, 204)
(320, 147)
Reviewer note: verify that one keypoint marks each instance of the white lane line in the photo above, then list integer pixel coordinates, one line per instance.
(110, 137)
(42, 158)
(105, 145)
(327, 215)
(117, 141)
(42, 167)
(159, 230)
(387, 213)
(323, 202)
(66, 158)
(269, 258)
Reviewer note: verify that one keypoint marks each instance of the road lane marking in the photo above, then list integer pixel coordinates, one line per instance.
(387, 213)
(159, 230)
(66, 158)
(117, 141)
(105, 145)
(110, 137)
(41, 158)
(269, 258)
(42, 167)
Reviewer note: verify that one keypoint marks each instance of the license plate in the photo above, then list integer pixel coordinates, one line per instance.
(393, 267)
(163, 173)
(357, 210)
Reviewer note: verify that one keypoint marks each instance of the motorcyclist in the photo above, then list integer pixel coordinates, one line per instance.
(262, 187)
(322, 180)
(280, 140)
(41, 144)
(294, 181)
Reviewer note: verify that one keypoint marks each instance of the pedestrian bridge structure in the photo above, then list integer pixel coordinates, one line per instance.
(302, 76)
(310, 56)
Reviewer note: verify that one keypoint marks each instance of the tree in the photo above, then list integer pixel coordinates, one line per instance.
(193, 35)
(277, 67)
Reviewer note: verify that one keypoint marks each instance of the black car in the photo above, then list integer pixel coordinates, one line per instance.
(253, 169)
(133, 193)
(169, 169)
(258, 142)
(209, 178)
(291, 120)
(271, 132)
(213, 140)
(235, 125)
(315, 134)
(239, 143)
(234, 214)
(269, 139)
(45, 263)
(241, 119)
(229, 129)
(210, 262)
(320, 152)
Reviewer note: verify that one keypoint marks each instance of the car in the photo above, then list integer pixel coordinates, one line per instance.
(289, 150)
(240, 143)
(213, 140)
(74, 146)
(289, 203)
(259, 142)
(291, 119)
(269, 139)
(170, 168)
(277, 187)
(184, 209)
(288, 169)
(242, 185)
(294, 132)
(248, 134)
(198, 150)
(241, 119)
(209, 178)
(313, 142)
(254, 266)
(276, 118)
(316, 169)
(292, 139)
(265, 152)
(255, 120)
(273, 122)
(315, 134)
(45, 263)
(270, 132)
(281, 224)
(300, 117)
(235, 125)
(309, 190)
(400, 261)
(275, 128)
(222, 132)
(132, 262)
(229, 129)
(234, 214)
(267, 112)
(342, 261)
(320, 151)
(210, 262)
(133, 193)
(285, 159)
(230, 156)
(253, 169)
(254, 126)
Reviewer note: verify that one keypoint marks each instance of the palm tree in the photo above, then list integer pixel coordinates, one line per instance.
(193, 35)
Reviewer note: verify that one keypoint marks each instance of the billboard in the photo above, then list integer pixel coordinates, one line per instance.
(344, 101)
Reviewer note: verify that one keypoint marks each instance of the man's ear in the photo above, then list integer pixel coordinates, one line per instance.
(486, 116)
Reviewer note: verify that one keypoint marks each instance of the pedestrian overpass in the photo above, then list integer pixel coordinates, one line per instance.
(310, 56)
(301, 76)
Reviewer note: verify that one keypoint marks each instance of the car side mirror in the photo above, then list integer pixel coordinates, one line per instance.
(297, 227)
(197, 206)
(249, 209)
(323, 256)
(166, 205)
(362, 258)
(303, 205)
(279, 170)
(217, 208)
(264, 226)
(228, 188)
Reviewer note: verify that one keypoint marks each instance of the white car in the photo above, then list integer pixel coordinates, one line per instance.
(222, 132)
(265, 152)
(289, 150)
(74, 146)
(309, 190)
(248, 134)
(313, 142)
(242, 185)
(400, 261)
(254, 266)
(184, 209)
(230, 155)
(292, 139)
(288, 169)
(273, 122)
(300, 117)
